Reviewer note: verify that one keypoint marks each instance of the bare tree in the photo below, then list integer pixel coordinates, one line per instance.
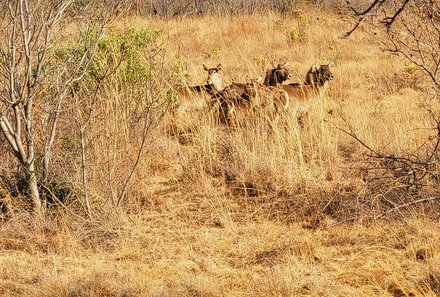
(31, 73)
(410, 29)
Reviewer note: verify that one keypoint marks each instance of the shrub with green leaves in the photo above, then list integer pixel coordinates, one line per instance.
(123, 49)
(128, 45)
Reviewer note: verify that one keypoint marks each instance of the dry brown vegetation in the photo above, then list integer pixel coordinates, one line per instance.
(259, 207)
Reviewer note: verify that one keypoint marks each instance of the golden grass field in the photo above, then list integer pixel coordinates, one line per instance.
(262, 207)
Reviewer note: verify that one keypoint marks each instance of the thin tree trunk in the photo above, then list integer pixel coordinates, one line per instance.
(33, 191)
(84, 173)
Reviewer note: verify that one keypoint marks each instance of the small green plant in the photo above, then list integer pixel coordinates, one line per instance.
(260, 62)
(180, 67)
(409, 68)
(294, 34)
(303, 18)
(128, 45)
(124, 49)
(298, 34)
(214, 53)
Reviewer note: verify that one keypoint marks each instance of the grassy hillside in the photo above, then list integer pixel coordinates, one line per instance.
(259, 207)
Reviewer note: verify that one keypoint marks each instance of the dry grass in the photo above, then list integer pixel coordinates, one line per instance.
(164, 254)
(261, 207)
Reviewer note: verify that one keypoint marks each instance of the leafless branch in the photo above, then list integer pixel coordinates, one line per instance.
(400, 206)
(375, 6)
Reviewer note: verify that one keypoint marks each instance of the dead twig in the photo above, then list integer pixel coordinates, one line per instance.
(397, 207)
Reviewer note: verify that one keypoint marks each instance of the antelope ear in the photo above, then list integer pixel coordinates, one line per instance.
(204, 67)
(219, 66)
(286, 64)
(331, 64)
(274, 64)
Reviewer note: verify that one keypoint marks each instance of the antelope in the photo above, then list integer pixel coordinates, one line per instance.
(226, 100)
(316, 83)
(259, 93)
(197, 95)
(273, 81)
(277, 75)
(235, 94)
(274, 77)
(253, 94)
(241, 93)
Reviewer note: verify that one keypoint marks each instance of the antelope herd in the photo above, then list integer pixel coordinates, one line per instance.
(268, 93)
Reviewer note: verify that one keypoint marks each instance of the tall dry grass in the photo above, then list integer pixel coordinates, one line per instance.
(259, 207)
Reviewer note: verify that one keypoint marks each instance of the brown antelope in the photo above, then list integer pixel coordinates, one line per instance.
(258, 93)
(277, 75)
(224, 102)
(232, 96)
(275, 78)
(253, 94)
(197, 96)
(302, 95)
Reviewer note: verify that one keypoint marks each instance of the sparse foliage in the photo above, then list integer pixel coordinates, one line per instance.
(35, 78)
(387, 10)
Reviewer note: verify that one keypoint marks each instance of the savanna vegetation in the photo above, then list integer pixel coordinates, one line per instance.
(114, 184)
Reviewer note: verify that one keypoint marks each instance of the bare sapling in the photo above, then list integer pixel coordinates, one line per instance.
(33, 77)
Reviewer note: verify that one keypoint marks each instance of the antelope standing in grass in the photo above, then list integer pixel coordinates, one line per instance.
(225, 101)
(301, 96)
(246, 92)
(258, 93)
(197, 96)
(277, 75)
(253, 95)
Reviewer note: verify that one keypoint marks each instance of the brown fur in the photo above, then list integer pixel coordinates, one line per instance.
(277, 75)
(302, 95)
(272, 98)
(198, 95)
(236, 94)
(254, 95)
